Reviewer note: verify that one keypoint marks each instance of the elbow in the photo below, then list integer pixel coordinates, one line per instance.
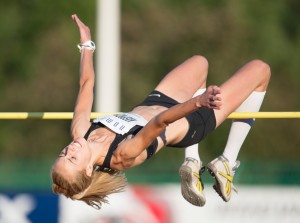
(161, 122)
(84, 82)
(127, 163)
(125, 160)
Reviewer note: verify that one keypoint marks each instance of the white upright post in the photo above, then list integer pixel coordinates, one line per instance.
(107, 97)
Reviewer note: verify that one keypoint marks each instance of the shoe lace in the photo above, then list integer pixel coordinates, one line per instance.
(199, 185)
(229, 175)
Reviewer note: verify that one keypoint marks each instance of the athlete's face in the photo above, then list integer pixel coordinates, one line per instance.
(73, 158)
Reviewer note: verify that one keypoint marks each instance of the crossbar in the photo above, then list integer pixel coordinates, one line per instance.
(69, 115)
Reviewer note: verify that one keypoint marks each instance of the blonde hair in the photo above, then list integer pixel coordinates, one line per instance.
(91, 190)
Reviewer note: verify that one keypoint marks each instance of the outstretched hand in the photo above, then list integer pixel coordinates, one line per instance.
(211, 98)
(85, 33)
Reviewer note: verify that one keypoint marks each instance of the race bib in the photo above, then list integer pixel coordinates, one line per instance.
(121, 123)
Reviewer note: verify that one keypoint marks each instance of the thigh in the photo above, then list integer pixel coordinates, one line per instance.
(183, 81)
(254, 76)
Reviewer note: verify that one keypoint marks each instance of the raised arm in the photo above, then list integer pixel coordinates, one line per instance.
(134, 147)
(83, 106)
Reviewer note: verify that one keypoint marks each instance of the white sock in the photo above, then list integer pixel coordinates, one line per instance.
(192, 151)
(241, 127)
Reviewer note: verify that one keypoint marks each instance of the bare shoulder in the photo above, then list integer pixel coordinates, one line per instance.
(79, 126)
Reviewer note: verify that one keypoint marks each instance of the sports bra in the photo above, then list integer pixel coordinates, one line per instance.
(123, 124)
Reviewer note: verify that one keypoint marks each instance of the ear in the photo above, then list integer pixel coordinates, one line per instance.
(89, 170)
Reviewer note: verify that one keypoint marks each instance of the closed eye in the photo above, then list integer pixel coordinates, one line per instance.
(73, 160)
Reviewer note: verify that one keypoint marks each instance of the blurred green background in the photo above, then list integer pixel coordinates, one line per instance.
(39, 67)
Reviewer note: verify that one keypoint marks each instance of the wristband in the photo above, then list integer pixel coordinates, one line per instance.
(89, 45)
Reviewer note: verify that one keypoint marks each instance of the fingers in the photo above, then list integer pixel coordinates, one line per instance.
(84, 30)
(77, 20)
(215, 90)
(74, 17)
(214, 97)
(215, 102)
(215, 105)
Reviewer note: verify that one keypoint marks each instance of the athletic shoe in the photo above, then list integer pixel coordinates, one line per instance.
(191, 183)
(223, 174)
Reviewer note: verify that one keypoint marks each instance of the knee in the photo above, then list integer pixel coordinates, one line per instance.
(201, 60)
(263, 69)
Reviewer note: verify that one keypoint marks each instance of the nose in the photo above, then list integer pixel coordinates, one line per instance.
(71, 149)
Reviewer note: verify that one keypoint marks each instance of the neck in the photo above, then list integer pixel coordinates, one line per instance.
(99, 147)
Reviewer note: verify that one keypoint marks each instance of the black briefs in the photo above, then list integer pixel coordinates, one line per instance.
(201, 122)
